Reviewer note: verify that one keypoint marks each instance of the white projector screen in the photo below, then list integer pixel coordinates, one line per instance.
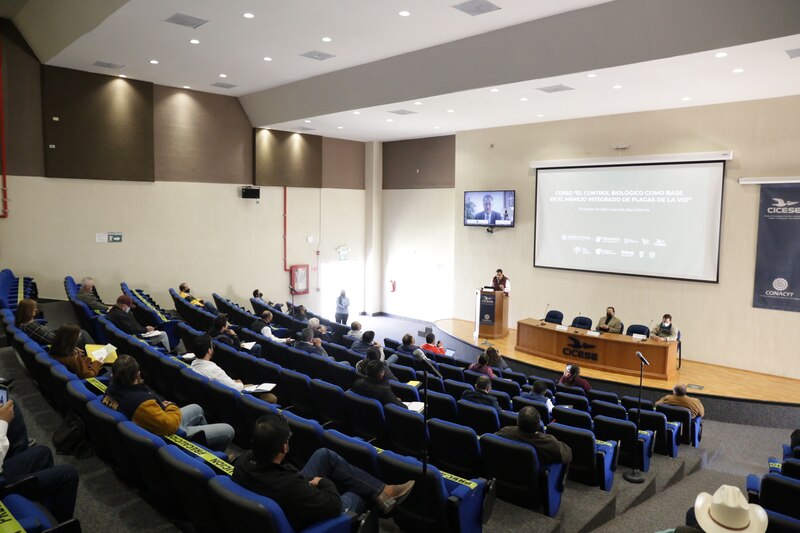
(656, 220)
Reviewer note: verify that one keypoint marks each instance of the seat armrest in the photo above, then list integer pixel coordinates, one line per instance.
(753, 488)
(27, 487)
(774, 465)
(70, 526)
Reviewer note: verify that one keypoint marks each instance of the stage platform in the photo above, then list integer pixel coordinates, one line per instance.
(715, 380)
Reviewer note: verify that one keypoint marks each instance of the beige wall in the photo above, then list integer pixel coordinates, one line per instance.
(718, 323)
(201, 233)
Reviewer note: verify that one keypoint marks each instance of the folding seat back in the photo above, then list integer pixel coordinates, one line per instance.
(189, 477)
(521, 478)
(78, 395)
(244, 510)
(451, 372)
(405, 430)
(329, 402)
(305, 440)
(355, 451)
(337, 351)
(635, 447)
(352, 357)
(365, 416)
(228, 409)
(318, 367)
(510, 387)
(442, 406)
(554, 317)
(593, 462)
(560, 387)
(446, 505)
(503, 399)
(142, 450)
(403, 373)
(551, 385)
(226, 357)
(405, 392)
(481, 418)
(518, 402)
(253, 408)
(171, 370)
(613, 410)
(347, 341)
(602, 395)
(632, 402)
(60, 376)
(343, 375)
(197, 390)
(573, 400)
(405, 359)
(32, 517)
(665, 433)
(582, 322)
(691, 427)
(297, 387)
(434, 383)
(780, 494)
(572, 417)
(471, 376)
(454, 448)
(518, 377)
(391, 343)
(102, 430)
(456, 388)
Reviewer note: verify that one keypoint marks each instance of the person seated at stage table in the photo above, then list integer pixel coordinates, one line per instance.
(665, 330)
(539, 394)
(501, 283)
(186, 294)
(87, 295)
(679, 398)
(326, 487)
(355, 330)
(609, 323)
(262, 326)
(120, 315)
(221, 331)
(374, 354)
(548, 448)
(482, 394)
(408, 345)
(437, 348)
(572, 378)
(65, 350)
(495, 359)
(375, 385)
(482, 366)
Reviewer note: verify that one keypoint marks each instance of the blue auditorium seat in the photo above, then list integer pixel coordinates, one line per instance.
(329, 402)
(551, 385)
(572, 417)
(403, 373)
(510, 387)
(435, 383)
(593, 462)
(778, 495)
(574, 400)
(454, 448)
(691, 427)
(520, 378)
(343, 375)
(456, 388)
(142, 450)
(405, 430)
(635, 446)
(666, 434)
(297, 387)
(632, 402)
(365, 416)
(404, 391)
(595, 394)
(518, 402)
(190, 476)
(578, 391)
(456, 373)
(613, 410)
(481, 418)
(355, 451)
(306, 438)
(31, 517)
(442, 406)
(582, 322)
(253, 408)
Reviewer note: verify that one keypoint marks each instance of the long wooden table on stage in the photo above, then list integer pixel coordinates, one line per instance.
(611, 352)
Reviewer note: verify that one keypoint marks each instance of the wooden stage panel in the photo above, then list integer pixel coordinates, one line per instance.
(610, 351)
(716, 380)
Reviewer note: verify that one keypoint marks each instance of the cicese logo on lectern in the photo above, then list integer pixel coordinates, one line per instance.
(579, 349)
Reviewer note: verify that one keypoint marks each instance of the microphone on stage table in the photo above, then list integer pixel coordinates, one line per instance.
(546, 309)
(642, 359)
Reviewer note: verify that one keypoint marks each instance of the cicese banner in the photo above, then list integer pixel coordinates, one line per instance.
(777, 280)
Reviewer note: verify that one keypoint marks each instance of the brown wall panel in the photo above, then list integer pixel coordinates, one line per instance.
(342, 164)
(22, 99)
(420, 163)
(201, 137)
(288, 159)
(104, 128)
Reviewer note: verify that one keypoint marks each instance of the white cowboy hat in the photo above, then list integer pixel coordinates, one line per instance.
(728, 510)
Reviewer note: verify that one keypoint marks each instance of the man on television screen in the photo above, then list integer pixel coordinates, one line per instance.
(491, 217)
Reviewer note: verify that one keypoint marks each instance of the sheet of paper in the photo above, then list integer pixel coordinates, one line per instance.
(449, 352)
(593, 333)
(149, 334)
(102, 353)
(248, 345)
(415, 406)
(561, 327)
(264, 387)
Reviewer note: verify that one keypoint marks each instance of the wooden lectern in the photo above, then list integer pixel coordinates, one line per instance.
(491, 314)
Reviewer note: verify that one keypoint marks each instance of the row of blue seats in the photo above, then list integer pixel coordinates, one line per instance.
(14, 289)
(778, 491)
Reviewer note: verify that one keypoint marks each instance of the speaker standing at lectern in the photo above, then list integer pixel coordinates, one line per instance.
(501, 283)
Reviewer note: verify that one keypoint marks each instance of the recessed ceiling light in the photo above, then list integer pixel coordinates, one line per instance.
(436, 127)
(307, 121)
(404, 13)
(223, 75)
(186, 87)
(720, 55)
(356, 112)
(154, 61)
(326, 39)
(523, 99)
(123, 76)
(417, 103)
(249, 16)
(451, 110)
(737, 70)
(539, 115)
(494, 90)
(267, 58)
(686, 98)
(389, 120)
(591, 75)
(194, 41)
(339, 127)
(617, 87)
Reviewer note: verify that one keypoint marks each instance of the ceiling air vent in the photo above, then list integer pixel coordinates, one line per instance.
(223, 85)
(793, 53)
(555, 89)
(476, 7)
(106, 64)
(305, 128)
(316, 54)
(403, 112)
(182, 19)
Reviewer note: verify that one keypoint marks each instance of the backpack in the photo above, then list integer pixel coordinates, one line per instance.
(70, 437)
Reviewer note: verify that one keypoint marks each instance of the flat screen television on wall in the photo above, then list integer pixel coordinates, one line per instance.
(489, 209)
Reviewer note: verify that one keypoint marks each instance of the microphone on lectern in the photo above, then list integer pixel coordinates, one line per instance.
(642, 359)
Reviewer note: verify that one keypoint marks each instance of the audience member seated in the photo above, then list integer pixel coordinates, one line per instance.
(495, 359)
(355, 330)
(326, 486)
(609, 323)
(481, 394)
(129, 395)
(680, 399)
(432, 345)
(221, 331)
(204, 352)
(726, 510)
(320, 331)
(299, 312)
(374, 354)
(572, 378)
(186, 294)
(25, 320)
(58, 484)
(120, 316)
(262, 326)
(539, 393)
(665, 330)
(87, 295)
(368, 341)
(342, 308)
(375, 385)
(309, 344)
(407, 345)
(65, 350)
(548, 448)
(482, 366)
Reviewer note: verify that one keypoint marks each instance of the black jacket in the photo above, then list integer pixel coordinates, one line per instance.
(125, 321)
(548, 448)
(481, 398)
(380, 391)
(310, 348)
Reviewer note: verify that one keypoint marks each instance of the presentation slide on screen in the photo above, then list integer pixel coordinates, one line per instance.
(489, 208)
(648, 220)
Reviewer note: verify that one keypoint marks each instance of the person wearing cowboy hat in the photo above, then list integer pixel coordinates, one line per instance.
(727, 510)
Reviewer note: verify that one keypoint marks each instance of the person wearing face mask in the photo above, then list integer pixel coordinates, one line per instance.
(665, 331)
(609, 323)
(186, 294)
(120, 315)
